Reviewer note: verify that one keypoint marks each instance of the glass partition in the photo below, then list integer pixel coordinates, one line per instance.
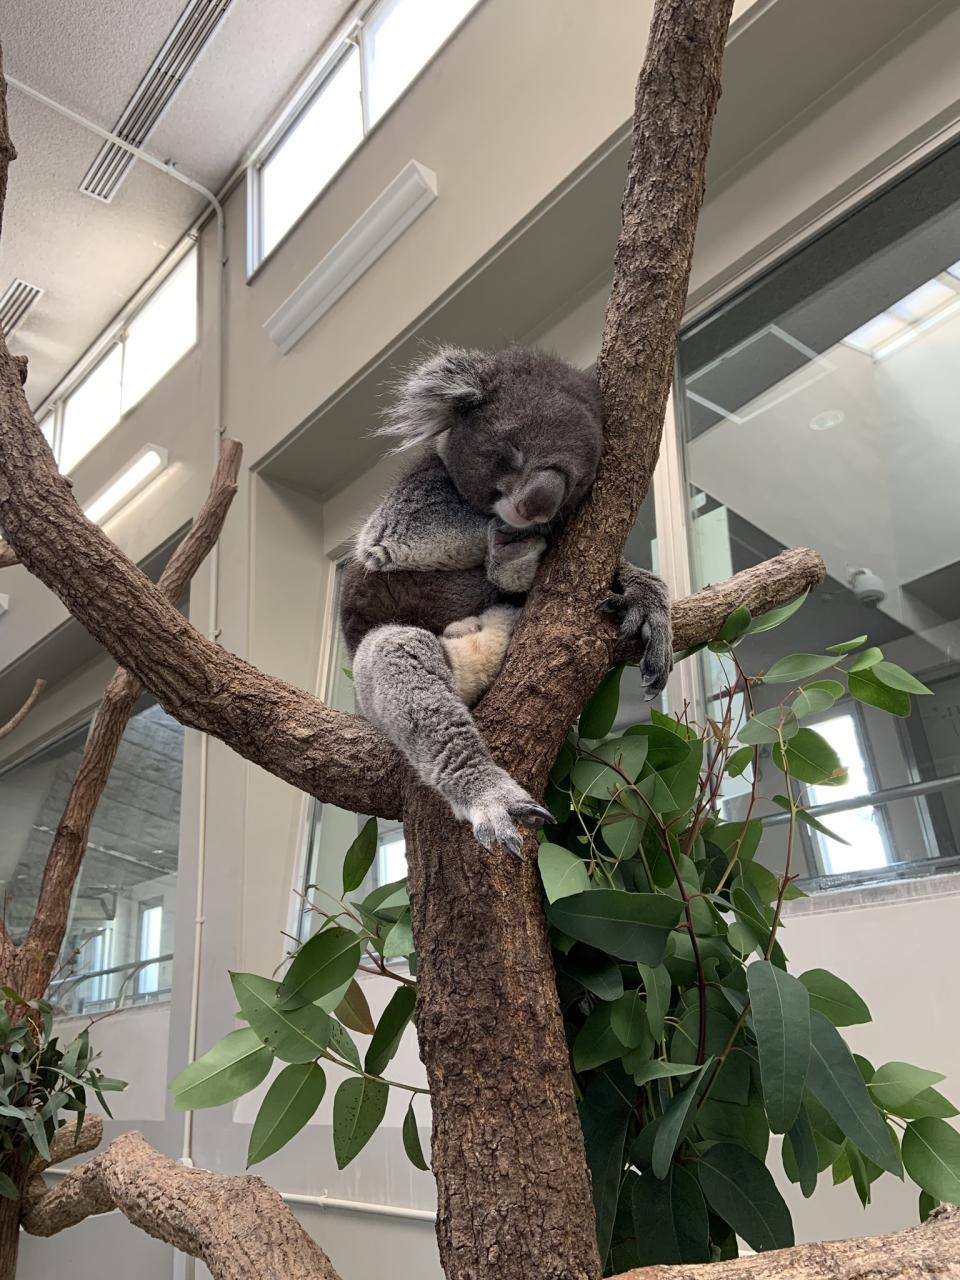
(818, 408)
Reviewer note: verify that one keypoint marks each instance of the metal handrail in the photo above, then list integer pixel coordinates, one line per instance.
(131, 968)
(906, 791)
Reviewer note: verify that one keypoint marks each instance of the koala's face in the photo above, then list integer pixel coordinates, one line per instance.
(519, 432)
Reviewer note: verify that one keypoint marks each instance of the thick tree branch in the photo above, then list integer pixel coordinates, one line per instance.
(67, 1143)
(237, 1226)
(927, 1252)
(38, 954)
(21, 715)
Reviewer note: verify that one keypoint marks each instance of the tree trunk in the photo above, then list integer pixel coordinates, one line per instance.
(9, 1235)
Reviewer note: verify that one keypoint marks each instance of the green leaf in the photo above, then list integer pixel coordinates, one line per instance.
(390, 1029)
(928, 1103)
(835, 1081)
(342, 1042)
(235, 1065)
(630, 926)
(926, 1205)
(399, 941)
(594, 971)
(563, 873)
(596, 1042)
(628, 1018)
(864, 661)
(896, 1083)
(596, 778)
(358, 859)
(8, 1188)
(662, 1071)
(739, 761)
(353, 1010)
(324, 961)
(740, 1189)
(597, 717)
(848, 645)
(895, 677)
(411, 1140)
(768, 726)
(819, 695)
(781, 1020)
(735, 626)
(358, 1107)
(835, 998)
(802, 1145)
(865, 687)
(299, 1035)
(657, 987)
(797, 667)
(289, 1103)
(810, 758)
(605, 1112)
(809, 820)
(931, 1156)
(774, 617)
(674, 1123)
(670, 1223)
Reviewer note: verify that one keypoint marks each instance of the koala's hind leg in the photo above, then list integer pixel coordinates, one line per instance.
(405, 687)
(475, 649)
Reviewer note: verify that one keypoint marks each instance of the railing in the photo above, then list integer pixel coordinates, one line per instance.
(62, 991)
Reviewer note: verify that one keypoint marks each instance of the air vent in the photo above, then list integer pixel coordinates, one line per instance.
(15, 303)
(193, 30)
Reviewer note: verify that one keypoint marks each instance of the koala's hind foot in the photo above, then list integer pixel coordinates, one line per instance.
(404, 685)
(640, 603)
(476, 647)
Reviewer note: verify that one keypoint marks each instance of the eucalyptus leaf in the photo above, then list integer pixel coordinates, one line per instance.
(674, 1124)
(931, 1156)
(775, 617)
(836, 1083)
(867, 688)
(296, 1035)
(896, 1083)
(810, 758)
(780, 1006)
(657, 987)
(670, 1224)
(358, 859)
(563, 873)
(835, 998)
(847, 646)
(797, 667)
(411, 1140)
(393, 1022)
(630, 926)
(597, 717)
(288, 1105)
(802, 1144)
(739, 1188)
(235, 1065)
(864, 661)
(324, 961)
(358, 1107)
(895, 677)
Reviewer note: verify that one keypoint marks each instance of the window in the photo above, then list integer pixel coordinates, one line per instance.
(399, 38)
(818, 409)
(313, 150)
(162, 331)
(369, 68)
(124, 906)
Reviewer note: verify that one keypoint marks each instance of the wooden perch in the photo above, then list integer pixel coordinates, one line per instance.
(21, 715)
(238, 1226)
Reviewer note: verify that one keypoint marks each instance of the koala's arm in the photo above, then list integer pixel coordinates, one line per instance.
(422, 524)
(513, 557)
(640, 603)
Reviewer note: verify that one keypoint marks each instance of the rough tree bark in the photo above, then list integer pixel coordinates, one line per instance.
(512, 1181)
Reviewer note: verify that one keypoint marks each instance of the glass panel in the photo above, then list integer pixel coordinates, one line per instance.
(46, 425)
(819, 409)
(91, 411)
(399, 38)
(124, 906)
(161, 332)
(309, 155)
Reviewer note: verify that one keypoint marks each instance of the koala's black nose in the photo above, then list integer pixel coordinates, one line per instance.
(540, 496)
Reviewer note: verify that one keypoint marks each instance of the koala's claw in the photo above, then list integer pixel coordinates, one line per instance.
(643, 611)
(494, 818)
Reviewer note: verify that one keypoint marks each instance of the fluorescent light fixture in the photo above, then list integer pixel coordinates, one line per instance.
(954, 271)
(138, 473)
(915, 330)
(395, 208)
(924, 301)
(875, 333)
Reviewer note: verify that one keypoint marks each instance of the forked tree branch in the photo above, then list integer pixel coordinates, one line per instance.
(238, 1226)
(33, 962)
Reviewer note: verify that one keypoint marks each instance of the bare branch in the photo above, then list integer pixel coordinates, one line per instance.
(921, 1253)
(66, 1143)
(25, 710)
(237, 1226)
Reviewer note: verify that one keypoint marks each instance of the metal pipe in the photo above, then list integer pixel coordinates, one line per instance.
(359, 1206)
(906, 791)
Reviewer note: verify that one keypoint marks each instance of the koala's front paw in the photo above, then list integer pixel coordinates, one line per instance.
(513, 558)
(378, 557)
(497, 811)
(642, 610)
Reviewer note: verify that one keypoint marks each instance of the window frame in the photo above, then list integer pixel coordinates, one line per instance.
(351, 35)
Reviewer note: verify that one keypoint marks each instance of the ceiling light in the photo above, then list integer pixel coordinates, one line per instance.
(924, 301)
(875, 333)
(141, 469)
(954, 271)
(915, 330)
(829, 418)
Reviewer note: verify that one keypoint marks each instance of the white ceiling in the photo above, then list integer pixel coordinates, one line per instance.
(90, 257)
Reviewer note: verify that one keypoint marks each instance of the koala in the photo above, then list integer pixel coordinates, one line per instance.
(510, 443)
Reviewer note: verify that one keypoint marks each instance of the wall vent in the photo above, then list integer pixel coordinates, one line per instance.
(15, 303)
(192, 32)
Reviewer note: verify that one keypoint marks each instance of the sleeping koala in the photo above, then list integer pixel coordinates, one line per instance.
(440, 570)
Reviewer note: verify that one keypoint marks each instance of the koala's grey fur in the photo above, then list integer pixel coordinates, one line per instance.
(512, 444)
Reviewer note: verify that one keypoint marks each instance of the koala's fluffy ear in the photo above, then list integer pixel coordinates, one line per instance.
(433, 394)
